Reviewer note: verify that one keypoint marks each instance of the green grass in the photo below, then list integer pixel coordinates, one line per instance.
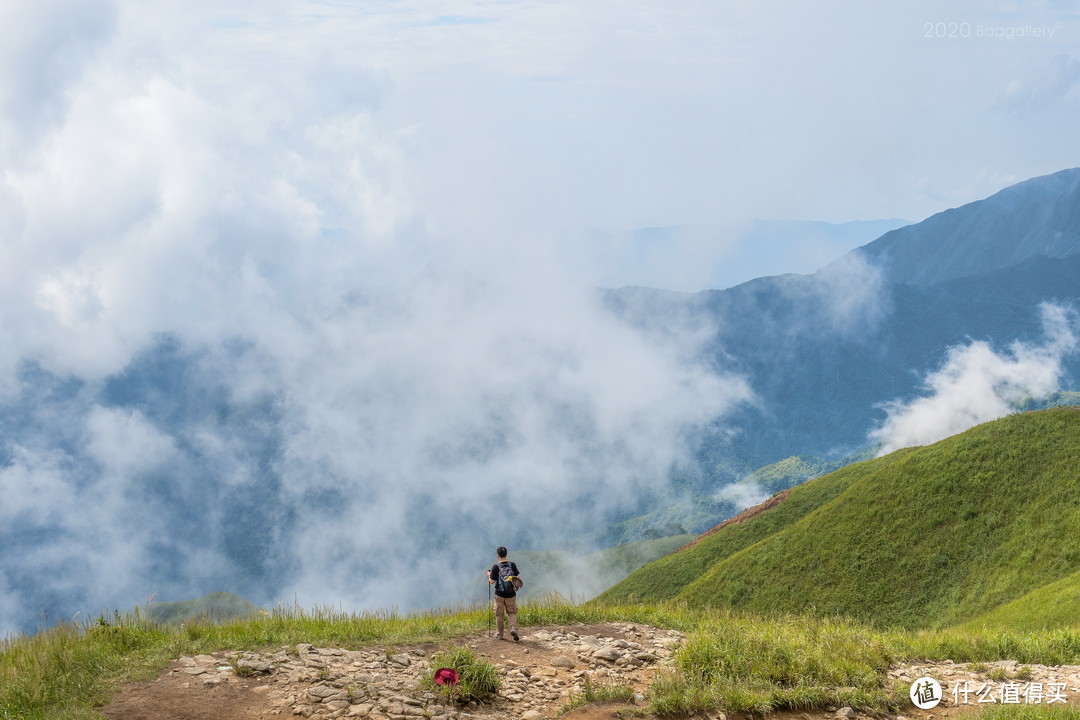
(667, 577)
(924, 537)
(733, 661)
(741, 662)
(1055, 604)
(477, 679)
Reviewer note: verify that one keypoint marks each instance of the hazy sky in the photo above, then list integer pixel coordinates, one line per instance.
(502, 129)
(384, 221)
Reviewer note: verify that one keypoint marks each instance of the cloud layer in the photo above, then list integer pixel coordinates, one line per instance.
(236, 355)
(976, 384)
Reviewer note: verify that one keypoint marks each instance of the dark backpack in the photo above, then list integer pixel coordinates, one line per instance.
(507, 582)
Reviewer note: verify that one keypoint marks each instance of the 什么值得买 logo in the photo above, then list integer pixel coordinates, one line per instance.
(925, 693)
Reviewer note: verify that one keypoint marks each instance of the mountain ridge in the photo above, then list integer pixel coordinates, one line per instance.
(1036, 217)
(826, 353)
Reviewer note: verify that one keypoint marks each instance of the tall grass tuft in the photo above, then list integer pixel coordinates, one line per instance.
(741, 662)
(744, 663)
(477, 679)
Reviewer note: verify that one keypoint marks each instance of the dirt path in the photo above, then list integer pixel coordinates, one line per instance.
(539, 675)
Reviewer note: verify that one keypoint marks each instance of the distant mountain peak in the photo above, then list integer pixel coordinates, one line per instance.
(1039, 217)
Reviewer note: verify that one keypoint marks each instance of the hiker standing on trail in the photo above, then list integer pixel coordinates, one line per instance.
(504, 576)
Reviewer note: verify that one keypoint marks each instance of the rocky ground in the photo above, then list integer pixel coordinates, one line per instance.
(539, 676)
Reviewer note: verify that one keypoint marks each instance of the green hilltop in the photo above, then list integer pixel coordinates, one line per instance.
(981, 527)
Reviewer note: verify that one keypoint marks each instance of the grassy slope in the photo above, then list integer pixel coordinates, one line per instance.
(1054, 605)
(925, 537)
(667, 577)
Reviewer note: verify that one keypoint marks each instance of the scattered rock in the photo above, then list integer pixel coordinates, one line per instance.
(255, 666)
(607, 653)
(561, 661)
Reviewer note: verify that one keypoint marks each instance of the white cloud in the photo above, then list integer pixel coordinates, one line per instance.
(125, 443)
(84, 549)
(976, 384)
(847, 296)
(742, 495)
(264, 216)
(44, 48)
(34, 488)
(512, 407)
(1049, 85)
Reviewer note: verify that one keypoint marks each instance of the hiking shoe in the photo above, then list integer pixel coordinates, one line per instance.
(513, 634)
(499, 637)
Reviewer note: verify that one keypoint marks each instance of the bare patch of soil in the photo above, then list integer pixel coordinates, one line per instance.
(747, 514)
(177, 696)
